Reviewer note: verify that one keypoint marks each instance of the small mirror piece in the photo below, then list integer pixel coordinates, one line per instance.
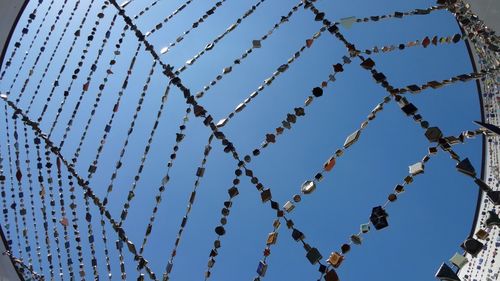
(417, 168)
(308, 187)
(465, 167)
(335, 259)
(482, 234)
(288, 206)
(494, 196)
(458, 260)
(331, 275)
(472, 246)
(356, 239)
(433, 134)
(314, 256)
(297, 235)
(445, 273)
(271, 238)
(351, 139)
(365, 228)
(379, 218)
(262, 268)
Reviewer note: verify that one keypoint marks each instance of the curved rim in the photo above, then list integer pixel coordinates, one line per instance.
(11, 32)
(484, 149)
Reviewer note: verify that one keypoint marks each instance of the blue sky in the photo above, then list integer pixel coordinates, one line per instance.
(427, 223)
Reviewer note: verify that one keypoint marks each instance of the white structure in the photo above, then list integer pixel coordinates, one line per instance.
(486, 265)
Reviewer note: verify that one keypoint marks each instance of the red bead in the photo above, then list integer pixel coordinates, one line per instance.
(267, 252)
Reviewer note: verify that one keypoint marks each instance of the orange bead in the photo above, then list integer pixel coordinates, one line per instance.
(329, 164)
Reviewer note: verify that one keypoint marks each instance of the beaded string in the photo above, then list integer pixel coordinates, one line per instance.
(125, 145)
(169, 17)
(87, 125)
(116, 106)
(437, 84)
(37, 32)
(55, 232)
(42, 49)
(291, 117)
(200, 171)
(233, 192)
(100, 148)
(41, 182)
(72, 205)
(220, 230)
(81, 182)
(3, 194)
(283, 68)
(68, 127)
(337, 258)
(291, 205)
(426, 42)
(145, 154)
(201, 20)
(147, 8)
(63, 66)
(90, 39)
(256, 45)
(64, 220)
(76, 232)
(11, 179)
(148, 231)
(85, 86)
(31, 195)
(228, 30)
(183, 125)
(131, 193)
(24, 31)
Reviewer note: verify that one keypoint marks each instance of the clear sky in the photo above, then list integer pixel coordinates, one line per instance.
(426, 224)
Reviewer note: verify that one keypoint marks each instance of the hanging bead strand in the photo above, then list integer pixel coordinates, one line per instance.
(228, 30)
(239, 60)
(32, 199)
(200, 171)
(85, 87)
(77, 70)
(267, 82)
(35, 37)
(201, 20)
(44, 45)
(63, 66)
(13, 205)
(41, 182)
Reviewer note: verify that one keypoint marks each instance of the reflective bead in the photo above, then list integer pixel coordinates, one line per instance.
(308, 187)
